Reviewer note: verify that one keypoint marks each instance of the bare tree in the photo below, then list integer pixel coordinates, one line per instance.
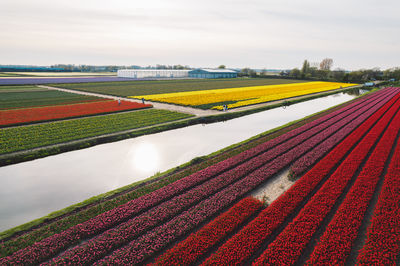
(326, 64)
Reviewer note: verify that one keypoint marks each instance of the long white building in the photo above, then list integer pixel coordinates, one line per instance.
(152, 73)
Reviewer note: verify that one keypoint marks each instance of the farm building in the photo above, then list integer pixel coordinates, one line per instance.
(212, 73)
(152, 73)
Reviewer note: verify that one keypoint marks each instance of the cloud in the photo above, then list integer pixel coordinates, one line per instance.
(255, 33)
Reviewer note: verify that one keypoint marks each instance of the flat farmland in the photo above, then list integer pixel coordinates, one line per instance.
(343, 208)
(129, 88)
(13, 97)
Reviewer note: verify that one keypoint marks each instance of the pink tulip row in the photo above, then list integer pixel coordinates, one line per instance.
(155, 240)
(382, 246)
(291, 242)
(56, 243)
(309, 159)
(245, 243)
(336, 242)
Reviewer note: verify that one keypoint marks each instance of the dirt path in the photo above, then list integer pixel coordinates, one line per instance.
(190, 110)
(164, 106)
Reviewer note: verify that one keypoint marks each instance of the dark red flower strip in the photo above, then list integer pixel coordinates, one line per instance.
(145, 246)
(197, 244)
(290, 243)
(56, 243)
(242, 245)
(310, 158)
(113, 238)
(9, 117)
(335, 244)
(382, 246)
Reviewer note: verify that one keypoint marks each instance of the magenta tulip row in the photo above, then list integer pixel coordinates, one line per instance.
(309, 159)
(291, 242)
(56, 243)
(382, 245)
(245, 243)
(336, 242)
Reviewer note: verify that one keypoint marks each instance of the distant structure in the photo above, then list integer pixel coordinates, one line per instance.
(152, 73)
(172, 73)
(212, 73)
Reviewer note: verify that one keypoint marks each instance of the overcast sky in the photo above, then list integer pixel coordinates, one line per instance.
(258, 34)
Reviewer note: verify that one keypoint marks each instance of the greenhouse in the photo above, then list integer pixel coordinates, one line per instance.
(152, 73)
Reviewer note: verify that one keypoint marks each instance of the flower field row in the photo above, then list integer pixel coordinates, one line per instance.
(127, 231)
(33, 136)
(290, 243)
(54, 244)
(336, 242)
(140, 249)
(147, 225)
(242, 245)
(382, 245)
(15, 97)
(309, 159)
(26, 115)
(197, 244)
(10, 246)
(243, 96)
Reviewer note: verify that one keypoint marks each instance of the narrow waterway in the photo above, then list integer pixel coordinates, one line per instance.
(33, 189)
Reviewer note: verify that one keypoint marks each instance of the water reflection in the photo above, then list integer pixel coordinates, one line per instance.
(33, 189)
(145, 157)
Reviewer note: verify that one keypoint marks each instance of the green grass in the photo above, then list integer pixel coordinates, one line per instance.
(112, 199)
(132, 88)
(11, 75)
(34, 136)
(12, 97)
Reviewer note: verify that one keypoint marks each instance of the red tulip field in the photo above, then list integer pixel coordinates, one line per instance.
(343, 208)
(27, 115)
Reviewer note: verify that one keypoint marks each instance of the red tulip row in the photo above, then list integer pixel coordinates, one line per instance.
(18, 116)
(199, 243)
(242, 245)
(142, 248)
(382, 246)
(336, 242)
(54, 244)
(309, 159)
(290, 243)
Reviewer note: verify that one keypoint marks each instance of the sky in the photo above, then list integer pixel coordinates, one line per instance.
(278, 34)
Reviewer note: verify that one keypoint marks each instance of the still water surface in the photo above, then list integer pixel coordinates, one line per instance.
(33, 189)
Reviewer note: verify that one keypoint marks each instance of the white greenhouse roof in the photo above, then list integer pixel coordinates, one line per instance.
(219, 70)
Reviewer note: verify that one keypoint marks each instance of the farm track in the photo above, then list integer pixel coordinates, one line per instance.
(196, 111)
(229, 247)
(276, 150)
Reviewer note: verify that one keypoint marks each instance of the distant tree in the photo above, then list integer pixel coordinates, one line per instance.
(305, 69)
(326, 64)
(295, 73)
(245, 72)
(222, 67)
(338, 74)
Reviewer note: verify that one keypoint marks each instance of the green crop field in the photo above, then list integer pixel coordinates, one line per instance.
(30, 96)
(129, 88)
(33, 136)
